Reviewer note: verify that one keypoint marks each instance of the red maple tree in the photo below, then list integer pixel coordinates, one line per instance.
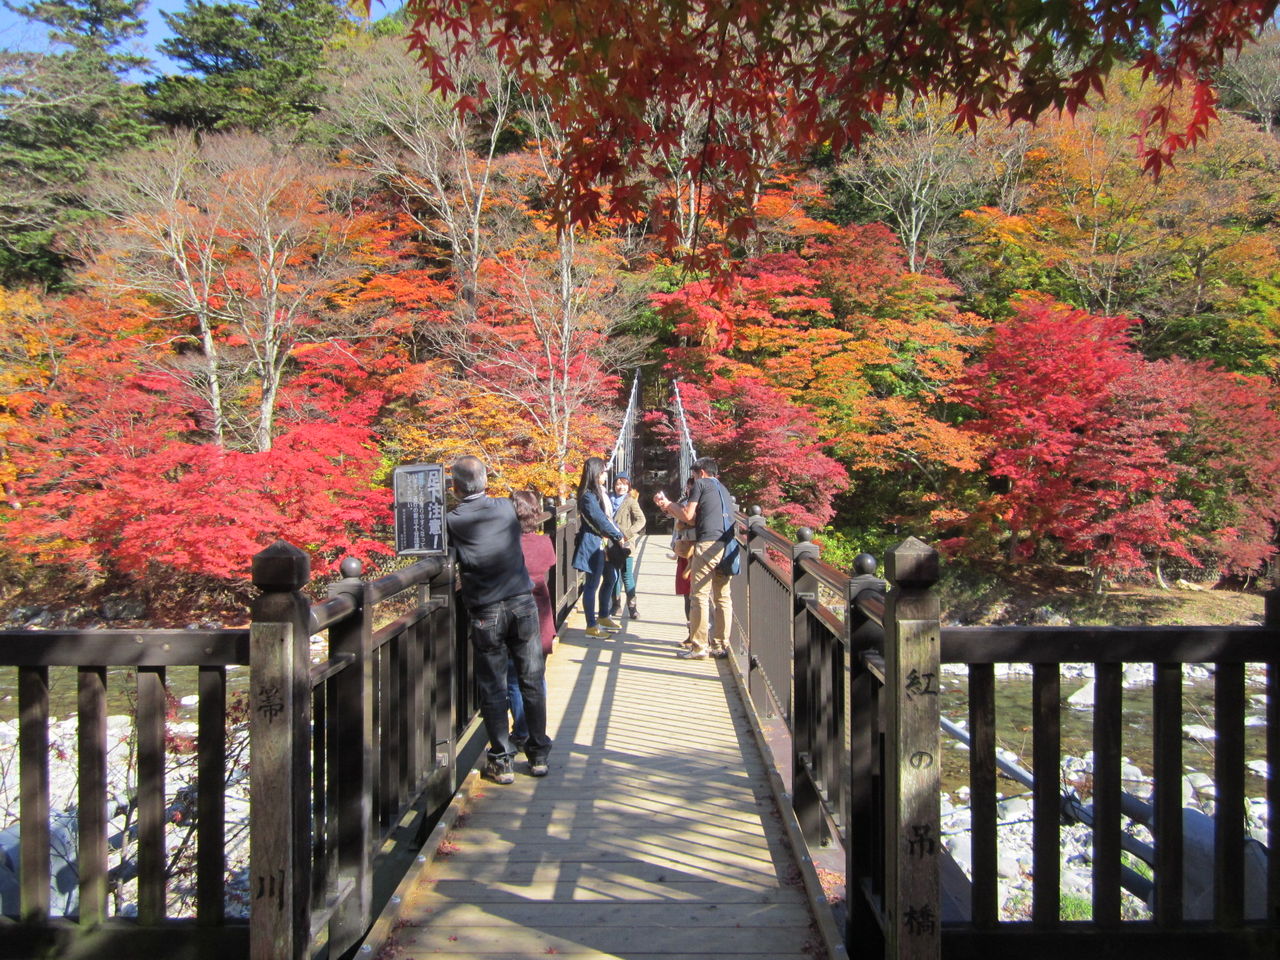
(1079, 433)
(624, 77)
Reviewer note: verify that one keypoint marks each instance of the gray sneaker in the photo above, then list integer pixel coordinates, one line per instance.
(538, 768)
(498, 769)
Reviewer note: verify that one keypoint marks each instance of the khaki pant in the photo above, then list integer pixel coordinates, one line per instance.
(709, 590)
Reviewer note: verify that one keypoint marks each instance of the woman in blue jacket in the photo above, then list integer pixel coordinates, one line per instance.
(588, 552)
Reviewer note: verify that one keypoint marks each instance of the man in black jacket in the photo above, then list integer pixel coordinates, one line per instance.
(497, 593)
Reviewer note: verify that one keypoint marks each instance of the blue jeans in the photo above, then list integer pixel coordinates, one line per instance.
(624, 580)
(502, 632)
(519, 723)
(597, 587)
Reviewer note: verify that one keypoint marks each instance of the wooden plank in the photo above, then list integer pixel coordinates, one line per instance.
(1167, 734)
(1046, 763)
(1228, 812)
(152, 852)
(91, 746)
(124, 648)
(33, 765)
(982, 793)
(1138, 942)
(597, 883)
(1132, 644)
(211, 799)
(652, 835)
(612, 939)
(1107, 724)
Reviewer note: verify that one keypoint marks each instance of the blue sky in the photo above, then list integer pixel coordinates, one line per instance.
(19, 34)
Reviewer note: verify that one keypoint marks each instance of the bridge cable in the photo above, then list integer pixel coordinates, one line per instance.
(621, 460)
(687, 452)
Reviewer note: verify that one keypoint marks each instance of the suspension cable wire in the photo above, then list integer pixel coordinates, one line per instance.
(620, 461)
(687, 452)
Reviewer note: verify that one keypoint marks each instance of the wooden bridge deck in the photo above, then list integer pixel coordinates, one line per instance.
(655, 834)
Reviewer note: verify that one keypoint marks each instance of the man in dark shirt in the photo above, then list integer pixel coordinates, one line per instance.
(497, 593)
(710, 509)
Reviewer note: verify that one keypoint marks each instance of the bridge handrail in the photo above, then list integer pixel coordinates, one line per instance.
(860, 698)
(347, 751)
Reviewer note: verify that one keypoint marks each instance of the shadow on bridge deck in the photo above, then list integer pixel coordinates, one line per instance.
(655, 834)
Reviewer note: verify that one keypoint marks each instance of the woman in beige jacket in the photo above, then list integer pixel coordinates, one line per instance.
(629, 517)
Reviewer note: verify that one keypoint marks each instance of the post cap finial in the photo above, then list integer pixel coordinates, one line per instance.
(804, 534)
(281, 567)
(755, 510)
(351, 567)
(864, 565)
(912, 563)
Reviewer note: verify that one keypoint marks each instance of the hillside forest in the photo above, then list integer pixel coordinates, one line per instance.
(235, 296)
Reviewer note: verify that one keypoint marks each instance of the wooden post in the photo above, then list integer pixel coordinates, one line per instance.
(863, 830)
(441, 702)
(755, 551)
(913, 926)
(804, 708)
(353, 779)
(279, 734)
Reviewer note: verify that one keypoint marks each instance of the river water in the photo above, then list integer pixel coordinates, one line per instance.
(1014, 718)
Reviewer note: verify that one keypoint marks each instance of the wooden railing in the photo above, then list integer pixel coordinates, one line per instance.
(855, 671)
(348, 759)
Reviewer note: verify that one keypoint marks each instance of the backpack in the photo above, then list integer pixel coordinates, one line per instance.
(730, 564)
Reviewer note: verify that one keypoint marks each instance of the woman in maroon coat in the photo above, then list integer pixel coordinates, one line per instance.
(539, 558)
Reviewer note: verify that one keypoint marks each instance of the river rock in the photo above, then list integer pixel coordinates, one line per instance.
(1131, 773)
(1198, 731)
(960, 846)
(1047, 616)
(1202, 784)
(1007, 864)
(1083, 698)
(1138, 675)
(1260, 768)
(1016, 808)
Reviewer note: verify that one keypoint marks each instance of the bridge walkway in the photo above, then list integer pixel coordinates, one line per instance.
(655, 834)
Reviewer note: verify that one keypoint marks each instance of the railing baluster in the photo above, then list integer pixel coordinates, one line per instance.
(835, 769)
(91, 745)
(352, 770)
(1167, 732)
(1107, 724)
(385, 724)
(151, 795)
(211, 796)
(804, 795)
(403, 723)
(1273, 789)
(33, 759)
(1228, 810)
(1046, 760)
(982, 793)
(321, 802)
(412, 724)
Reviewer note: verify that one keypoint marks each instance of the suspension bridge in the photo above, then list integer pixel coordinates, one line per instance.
(782, 802)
